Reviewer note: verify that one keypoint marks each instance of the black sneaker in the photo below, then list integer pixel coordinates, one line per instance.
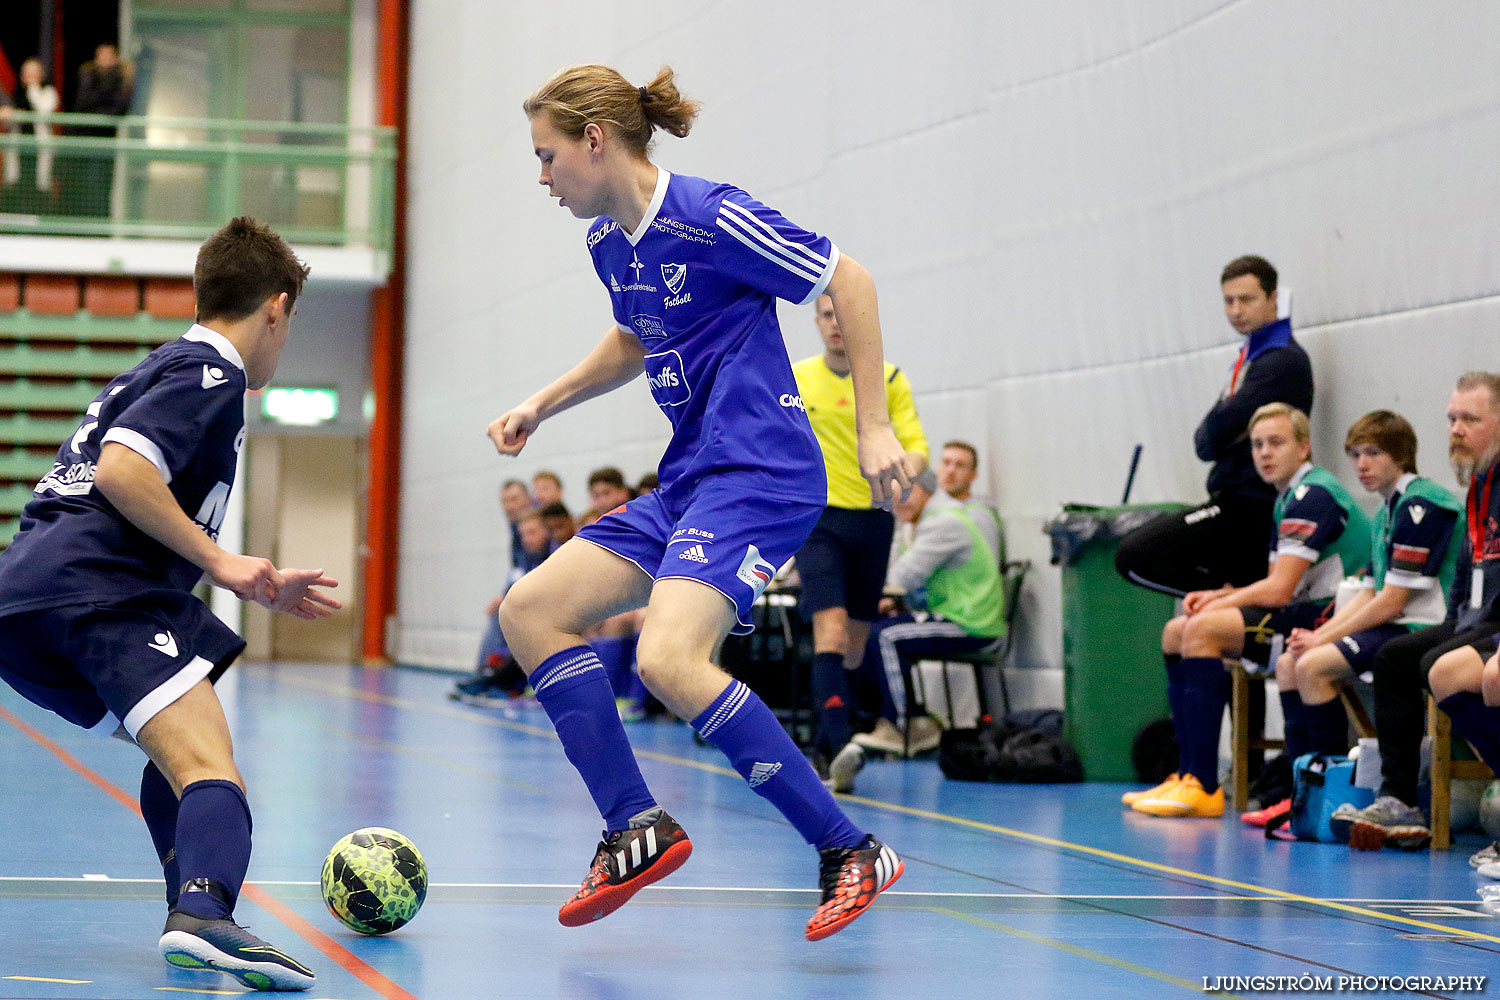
(851, 878)
(651, 849)
(189, 942)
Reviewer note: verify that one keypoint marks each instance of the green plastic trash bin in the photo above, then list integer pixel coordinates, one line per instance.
(1114, 682)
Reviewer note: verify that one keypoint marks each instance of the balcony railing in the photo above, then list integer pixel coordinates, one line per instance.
(183, 178)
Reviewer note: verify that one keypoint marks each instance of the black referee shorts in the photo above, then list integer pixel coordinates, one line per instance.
(843, 562)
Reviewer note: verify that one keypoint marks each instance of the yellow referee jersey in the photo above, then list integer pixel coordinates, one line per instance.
(829, 398)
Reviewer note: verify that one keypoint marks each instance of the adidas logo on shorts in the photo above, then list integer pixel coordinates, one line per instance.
(694, 553)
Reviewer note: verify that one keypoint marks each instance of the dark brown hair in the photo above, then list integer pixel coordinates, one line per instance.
(1251, 264)
(578, 95)
(241, 266)
(964, 446)
(609, 474)
(1390, 432)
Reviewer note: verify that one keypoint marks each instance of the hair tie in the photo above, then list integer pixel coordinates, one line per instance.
(645, 95)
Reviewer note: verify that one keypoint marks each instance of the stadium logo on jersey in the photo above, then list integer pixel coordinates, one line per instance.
(674, 275)
(792, 402)
(756, 572)
(594, 238)
(667, 380)
(648, 326)
(761, 773)
(213, 377)
(163, 642)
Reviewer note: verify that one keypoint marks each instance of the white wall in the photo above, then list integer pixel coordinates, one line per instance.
(1045, 194)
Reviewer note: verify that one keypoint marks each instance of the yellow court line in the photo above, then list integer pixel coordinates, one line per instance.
(40, 979)
(1036, 838)
(1073, 949)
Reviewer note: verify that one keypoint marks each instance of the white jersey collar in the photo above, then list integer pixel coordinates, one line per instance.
(657, 197)
(1302, 471)
(217, 341)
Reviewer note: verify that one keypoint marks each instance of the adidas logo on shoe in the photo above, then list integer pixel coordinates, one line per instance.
(694, 553)
(761, 773)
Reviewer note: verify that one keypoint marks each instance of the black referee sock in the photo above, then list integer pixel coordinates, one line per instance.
(830, 689)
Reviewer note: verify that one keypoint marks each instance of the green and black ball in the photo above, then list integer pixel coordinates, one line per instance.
(374, 880)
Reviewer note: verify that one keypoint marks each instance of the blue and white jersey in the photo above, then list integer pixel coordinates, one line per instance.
(183, 408)
(697, 284)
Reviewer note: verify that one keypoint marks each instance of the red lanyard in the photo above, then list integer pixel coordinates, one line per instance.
(1479, 517)
(1239, 363)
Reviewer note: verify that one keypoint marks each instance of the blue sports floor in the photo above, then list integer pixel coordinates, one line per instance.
(1009, 890)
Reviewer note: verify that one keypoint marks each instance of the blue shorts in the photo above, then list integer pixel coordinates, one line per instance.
(1360, 648)
(110, 663)
(1266, 629)
(723, 536)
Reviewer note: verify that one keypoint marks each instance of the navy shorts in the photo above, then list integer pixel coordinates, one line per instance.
(1266, 629)
(1487, 648)
(110, 663)
(1360, 648)
(843, 562)
(724, 536)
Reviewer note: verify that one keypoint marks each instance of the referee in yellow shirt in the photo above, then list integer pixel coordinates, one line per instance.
(843, 562)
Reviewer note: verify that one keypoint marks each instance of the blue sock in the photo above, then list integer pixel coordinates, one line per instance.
(1174, 702)
(1476, 722)
(830, 691)
(573, 689)
(1294, 725)
(159, 809)
(1327, 728)
(213, 846)
(617, 653)
(1205, 694)
(746, 732)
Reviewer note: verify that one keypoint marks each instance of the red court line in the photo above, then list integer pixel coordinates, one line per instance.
(346, 959)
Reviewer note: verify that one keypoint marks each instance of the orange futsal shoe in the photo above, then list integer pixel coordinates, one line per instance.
(851, 878)
(1184, 799)
(1131, 798)
(625, 863)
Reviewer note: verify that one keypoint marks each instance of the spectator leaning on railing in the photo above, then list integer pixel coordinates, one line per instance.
(105, 87)
(27, 167)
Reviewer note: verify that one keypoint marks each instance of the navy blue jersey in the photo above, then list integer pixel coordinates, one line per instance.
(1316, 519)
(697, 283)
(183, 409)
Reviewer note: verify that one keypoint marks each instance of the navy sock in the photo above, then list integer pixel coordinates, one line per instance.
(1205, 693)
(830, 690)
(213, 846)
(159, 809)
(1476, 722)
(617, 653)
(1174, 702)
(746, 732)
(1294, 725)
(1327, 728)
(578, 699)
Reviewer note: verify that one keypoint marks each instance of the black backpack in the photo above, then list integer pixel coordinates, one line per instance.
(1027, 747)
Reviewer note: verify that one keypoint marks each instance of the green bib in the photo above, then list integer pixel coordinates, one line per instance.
(971, 595)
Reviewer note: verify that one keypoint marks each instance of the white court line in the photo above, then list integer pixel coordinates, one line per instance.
(745, 888)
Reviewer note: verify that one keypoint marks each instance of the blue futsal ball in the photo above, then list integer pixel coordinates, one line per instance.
(374, 880)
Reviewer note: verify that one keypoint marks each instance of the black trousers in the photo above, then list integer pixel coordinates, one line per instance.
(1224, 540)
(1400, 670)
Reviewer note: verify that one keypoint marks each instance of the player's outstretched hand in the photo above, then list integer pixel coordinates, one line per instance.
(511, 431)
(298, 596)
(886, 465)
(250, 578)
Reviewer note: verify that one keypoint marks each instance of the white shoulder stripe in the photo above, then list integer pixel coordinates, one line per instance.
(744, 213)
(142, 446)
(766, 249)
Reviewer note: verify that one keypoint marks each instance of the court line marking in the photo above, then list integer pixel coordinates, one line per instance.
(1080, 952)
(1023, 835)
(341, 956)
(43, 979)
(911, 893)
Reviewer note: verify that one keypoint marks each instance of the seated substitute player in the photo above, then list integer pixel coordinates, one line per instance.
(1318, 536)
(843, 562)
(957, 468)
(952, 575)
(1403, 665)
(694, 269)
(1412, 555)
(97, 618)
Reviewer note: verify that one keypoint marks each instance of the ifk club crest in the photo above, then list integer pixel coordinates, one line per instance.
(674, 275)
